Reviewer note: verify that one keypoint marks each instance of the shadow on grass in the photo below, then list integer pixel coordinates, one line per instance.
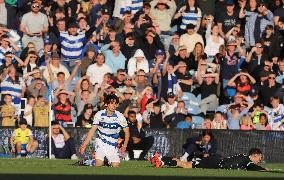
(112, 177)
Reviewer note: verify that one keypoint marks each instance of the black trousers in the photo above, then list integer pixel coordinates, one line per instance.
(145, 145)
(11, 17)
(66, 152)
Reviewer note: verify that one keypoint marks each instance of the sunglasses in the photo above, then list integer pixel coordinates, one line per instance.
(55, 128)
(259, 46)
(33, 57)
(271, 77)
(128, 93)
(35, 6)
(128, 79)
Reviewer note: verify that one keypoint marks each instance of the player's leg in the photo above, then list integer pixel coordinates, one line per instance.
(112, 155)
(99, 163)
(100, 153)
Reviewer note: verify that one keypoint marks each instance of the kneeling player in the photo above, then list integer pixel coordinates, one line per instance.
(240, 161)
(107, 123)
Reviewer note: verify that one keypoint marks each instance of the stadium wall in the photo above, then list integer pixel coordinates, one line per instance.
(169, 142)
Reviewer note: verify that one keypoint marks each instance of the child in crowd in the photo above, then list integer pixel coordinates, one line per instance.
(28, 112)
(246, 123)
(41, 110)
(22, 141)
(8, 111)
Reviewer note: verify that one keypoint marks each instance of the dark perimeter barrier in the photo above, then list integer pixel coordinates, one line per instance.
(170, 141)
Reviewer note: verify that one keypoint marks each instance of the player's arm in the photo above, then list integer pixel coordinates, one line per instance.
(126, 138)
(88, 138)
(254, 167)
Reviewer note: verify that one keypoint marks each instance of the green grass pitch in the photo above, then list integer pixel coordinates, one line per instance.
(127, 168)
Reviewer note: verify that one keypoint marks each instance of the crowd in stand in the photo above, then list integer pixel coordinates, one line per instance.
(201, 64)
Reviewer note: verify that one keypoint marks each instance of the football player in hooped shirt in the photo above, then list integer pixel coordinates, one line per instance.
(248, 162)
(107, 123)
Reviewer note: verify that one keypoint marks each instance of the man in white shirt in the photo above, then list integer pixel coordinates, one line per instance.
(34, 24)
(168, 109)
(97, 71)
(62, 145)
(190, 38)
(276, 114)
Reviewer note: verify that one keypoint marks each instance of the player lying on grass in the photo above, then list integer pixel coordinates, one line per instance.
(107, 123)
(239, 161)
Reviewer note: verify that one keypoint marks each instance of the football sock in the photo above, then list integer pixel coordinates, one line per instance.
(169, 161)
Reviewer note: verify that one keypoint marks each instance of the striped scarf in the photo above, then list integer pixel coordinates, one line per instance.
(172, 84)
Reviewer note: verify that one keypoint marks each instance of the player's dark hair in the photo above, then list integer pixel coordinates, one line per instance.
(254, 151)
(110, 98)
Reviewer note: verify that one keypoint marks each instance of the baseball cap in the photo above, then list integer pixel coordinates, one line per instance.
(47, 42)
(253, 92)
(263, 74)
(190, 26)
(73, 25)
(105, 11)
(23, 121)
(230, 2)
(170, 95)
(159, 52)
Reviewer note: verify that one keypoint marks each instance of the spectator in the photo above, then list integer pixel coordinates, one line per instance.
(275, 115)
(163, 11)
(28, 112)
(137, 138)
(189, 14)
(154, 117)
(90, 58)
(62, 109)
(246, 123)
(118, 81)
(193, 35)
(8, 112)
(263, 123)
(168, 108)
(257, 23)
(34, 24)
(213, 39)
(62, 145)
(55, 68)
(137, 62)
(41, 112)
(235, 114)
(219, 122)
(37, 88)
(202, 146)
(113, 57)
(186, 124)
(97, 70)
(269, 89)
(207, 124)
(242, 82)
(279, 13)
(228, 18)
(86, 117)
(22, 140)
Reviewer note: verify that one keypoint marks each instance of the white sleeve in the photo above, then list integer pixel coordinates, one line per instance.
(122, 121)
(97, 118)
